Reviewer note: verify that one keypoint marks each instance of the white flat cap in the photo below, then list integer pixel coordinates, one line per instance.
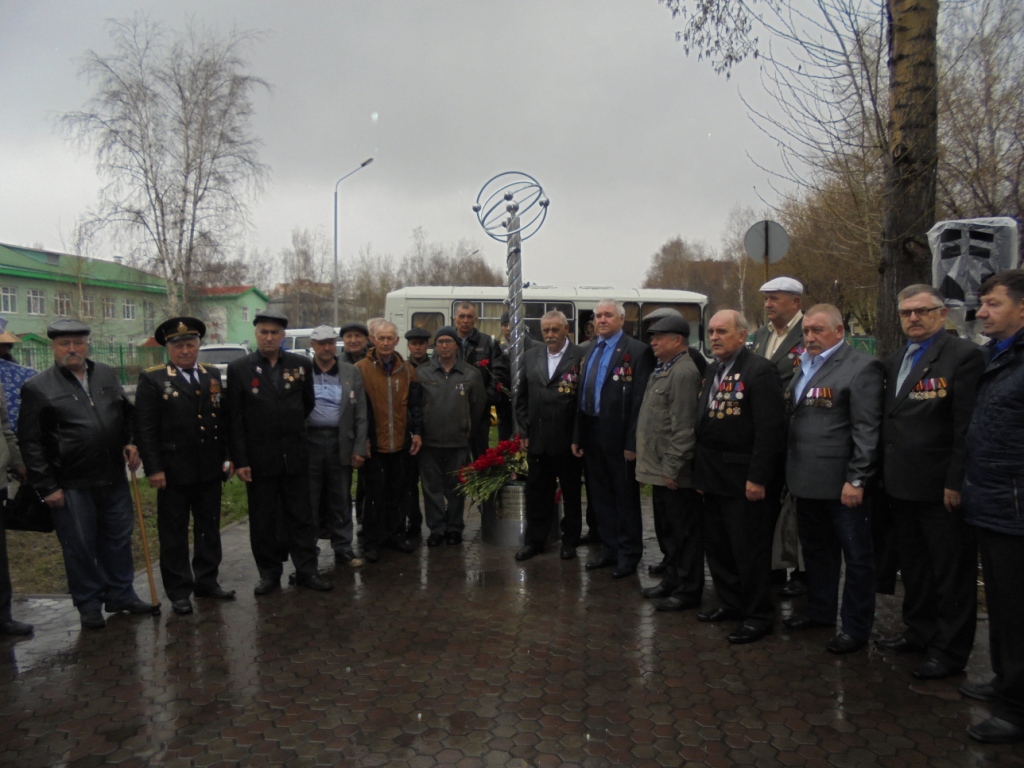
(783, 284)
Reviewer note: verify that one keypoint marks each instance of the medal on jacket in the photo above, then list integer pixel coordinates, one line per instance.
(255, 385)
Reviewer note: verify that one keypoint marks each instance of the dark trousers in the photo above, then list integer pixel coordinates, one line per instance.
(938, 557)
(442, 502)
(616, 500)
(330, 488)
(411, 497)
(383, 518)
(174, 505)
(506, 419)
(1001, 558)
(545, 474)
(481, 438)
(6, 592)
(281, 523)
(678, 513)
(829, 534)
(738, 543)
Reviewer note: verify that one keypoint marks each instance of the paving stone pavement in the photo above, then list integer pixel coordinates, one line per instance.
(458, 655)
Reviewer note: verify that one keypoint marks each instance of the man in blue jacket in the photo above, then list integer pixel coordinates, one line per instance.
(993, 501)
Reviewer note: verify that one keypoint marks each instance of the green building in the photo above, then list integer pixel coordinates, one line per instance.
(228, 312)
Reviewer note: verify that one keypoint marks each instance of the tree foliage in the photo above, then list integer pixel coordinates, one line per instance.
(169, 123)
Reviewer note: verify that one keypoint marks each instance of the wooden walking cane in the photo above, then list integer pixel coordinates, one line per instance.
(145, 544)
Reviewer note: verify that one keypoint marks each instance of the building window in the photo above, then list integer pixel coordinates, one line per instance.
(245, 314)
(108, 308)
(148, 316)
(62, 304)
(88, 306)
(8, 300)
(36, 302)
(129, 309)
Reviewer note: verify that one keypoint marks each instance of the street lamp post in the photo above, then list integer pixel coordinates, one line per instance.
(362, 165)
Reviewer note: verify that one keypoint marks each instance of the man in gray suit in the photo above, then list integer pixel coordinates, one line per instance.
(835, 407)
(337, 440)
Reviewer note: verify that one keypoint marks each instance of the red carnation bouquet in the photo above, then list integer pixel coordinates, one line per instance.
(482, 479)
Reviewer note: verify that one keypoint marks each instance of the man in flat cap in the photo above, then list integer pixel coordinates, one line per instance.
(337, 441)
(780, 340)
(356, 338)
(665, 440)
(181, 431)
(75, 433)
(418, 342)
(270, 396)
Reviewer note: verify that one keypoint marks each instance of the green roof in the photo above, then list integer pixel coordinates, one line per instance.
(66, 268)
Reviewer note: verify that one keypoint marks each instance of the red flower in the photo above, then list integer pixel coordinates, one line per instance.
(500, 387)
(484, 363)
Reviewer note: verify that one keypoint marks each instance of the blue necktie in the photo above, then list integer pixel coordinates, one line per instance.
(590, 399)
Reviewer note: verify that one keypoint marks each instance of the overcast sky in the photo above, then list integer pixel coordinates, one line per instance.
(633, 141)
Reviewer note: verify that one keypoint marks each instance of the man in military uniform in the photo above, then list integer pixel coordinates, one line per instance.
(270, 396)
(180, 432)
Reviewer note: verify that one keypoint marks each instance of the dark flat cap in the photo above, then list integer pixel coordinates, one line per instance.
(671, 324)
(417, 333)
(446, 331)
(67, 327)
(354, 325)
(179, 328)
(270, 316)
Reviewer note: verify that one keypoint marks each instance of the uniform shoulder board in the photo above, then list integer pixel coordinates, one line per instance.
(155, 368)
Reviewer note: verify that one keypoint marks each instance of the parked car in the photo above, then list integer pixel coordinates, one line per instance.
(219, 355)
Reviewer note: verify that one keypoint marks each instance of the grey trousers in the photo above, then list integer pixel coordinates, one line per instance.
(442, 502)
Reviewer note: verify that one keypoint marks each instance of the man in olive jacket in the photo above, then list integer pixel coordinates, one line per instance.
(453, 403)
(665, 440)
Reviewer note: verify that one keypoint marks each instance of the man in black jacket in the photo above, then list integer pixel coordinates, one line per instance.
(930, 388)
(993, 500)
(269, 397)
(740, 435)
(75, 432)
(180, 429)
(545, 412)
(483, 353)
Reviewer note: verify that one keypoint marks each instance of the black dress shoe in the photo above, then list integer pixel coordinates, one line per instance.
(435, 539)
(843, 643)
(93, 619)
(748, 633)
(527, 552)
(658, 590)
(599, 562)
(719, 614)
(805, 622)
(313, 581)
(623, 571)
(657, 569)
(217, 593)
(900, 644)
(979, 691)
(371, 554)
(453, 537)
(935, 669)
(995, 730)
(677, 604)
(401, 544)
(568, 552)
(266, 585)
(136, 606)
(182, 607)
(12, 627)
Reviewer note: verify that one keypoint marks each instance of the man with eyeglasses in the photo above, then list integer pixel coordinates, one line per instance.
(930, 387)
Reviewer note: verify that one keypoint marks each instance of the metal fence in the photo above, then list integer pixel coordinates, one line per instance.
(127, 359)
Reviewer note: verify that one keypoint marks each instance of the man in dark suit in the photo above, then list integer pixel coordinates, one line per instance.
(930, 388)
(484, 353)
(740, 434)
(835, 406)
(545, 413)
(614, 377)
(180, 431)
(270, 396)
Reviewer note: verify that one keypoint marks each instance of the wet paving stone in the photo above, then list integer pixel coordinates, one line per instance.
(458, 655)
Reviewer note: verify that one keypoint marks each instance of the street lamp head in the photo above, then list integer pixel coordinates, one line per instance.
(366, 162)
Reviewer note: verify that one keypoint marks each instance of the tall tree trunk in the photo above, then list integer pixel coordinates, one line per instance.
(913, 159)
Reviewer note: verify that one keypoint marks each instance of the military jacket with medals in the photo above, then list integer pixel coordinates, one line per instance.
(181, 427)
(267, 407)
